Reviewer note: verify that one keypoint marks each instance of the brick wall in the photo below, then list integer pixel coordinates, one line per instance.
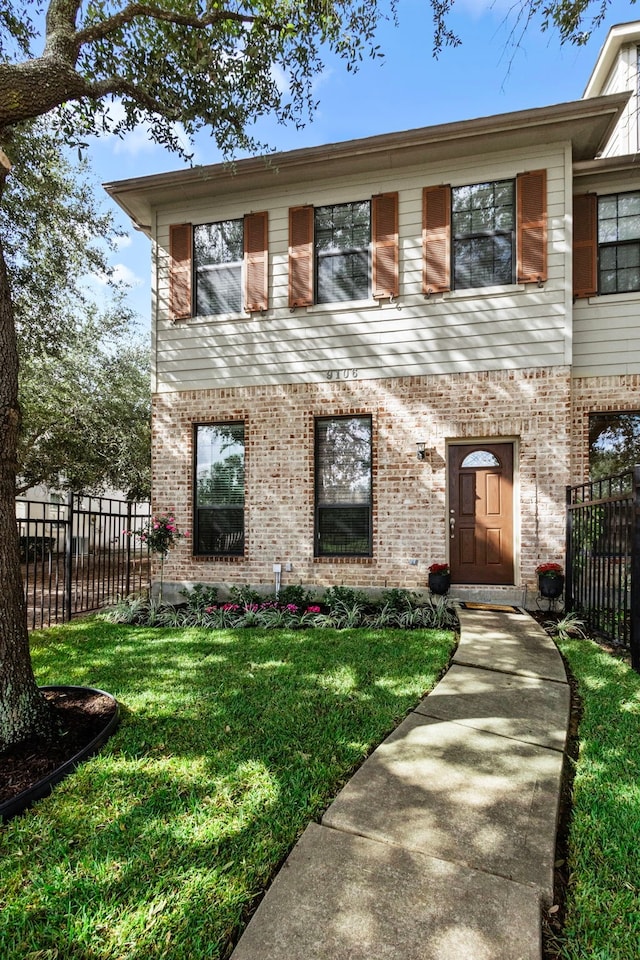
(597, 395)
(532, 408)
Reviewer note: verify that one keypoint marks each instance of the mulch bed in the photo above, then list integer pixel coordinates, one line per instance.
(81, 714)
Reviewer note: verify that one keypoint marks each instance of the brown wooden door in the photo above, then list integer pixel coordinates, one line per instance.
(481, 513)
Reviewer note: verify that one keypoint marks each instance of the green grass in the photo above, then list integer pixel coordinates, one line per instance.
(230, 743)
(603, 902)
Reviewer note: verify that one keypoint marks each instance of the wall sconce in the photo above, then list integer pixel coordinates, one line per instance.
(421, 452)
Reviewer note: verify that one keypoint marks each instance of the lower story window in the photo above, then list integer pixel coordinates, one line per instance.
(343, 486)
(614, 442)
(219, 490)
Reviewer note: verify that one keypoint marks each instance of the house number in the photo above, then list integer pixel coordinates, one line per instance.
(342, 374)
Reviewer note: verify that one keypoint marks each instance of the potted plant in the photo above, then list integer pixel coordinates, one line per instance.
(439, 578)
(550, 580)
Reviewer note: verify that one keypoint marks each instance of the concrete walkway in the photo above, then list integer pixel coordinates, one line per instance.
(442, 845)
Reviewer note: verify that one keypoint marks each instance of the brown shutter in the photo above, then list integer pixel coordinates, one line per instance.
(180, 235)
(385, 245)
(531, 191)
(436, 239)
(256, 261)
(301, 256)
(585, 245)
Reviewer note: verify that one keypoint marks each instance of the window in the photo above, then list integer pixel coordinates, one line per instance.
(342, 239)
(226, 262)
(218, 255)
(483, 231)
(614, 443)
(619, 243)
(487, 234)
(344, 251)
(343, 486)
(219, 490)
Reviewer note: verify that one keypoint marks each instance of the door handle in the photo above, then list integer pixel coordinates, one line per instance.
(452, 527)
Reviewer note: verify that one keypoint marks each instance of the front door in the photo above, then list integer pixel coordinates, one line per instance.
(481, 513)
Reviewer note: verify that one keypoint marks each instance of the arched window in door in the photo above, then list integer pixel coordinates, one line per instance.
(480, 458)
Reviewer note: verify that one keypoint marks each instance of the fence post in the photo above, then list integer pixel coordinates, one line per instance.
(127, 576)
(634, 639)
(68, 557)
(568, 580)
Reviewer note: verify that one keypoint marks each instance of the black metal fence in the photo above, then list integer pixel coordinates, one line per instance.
(76, 556)
(603, 558)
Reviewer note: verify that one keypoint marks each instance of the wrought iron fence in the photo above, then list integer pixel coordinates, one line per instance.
(75, 556)
(603, 557)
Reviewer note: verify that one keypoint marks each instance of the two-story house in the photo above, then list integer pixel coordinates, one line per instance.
(375, 355)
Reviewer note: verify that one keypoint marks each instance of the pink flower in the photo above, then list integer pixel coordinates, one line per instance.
(313, 609)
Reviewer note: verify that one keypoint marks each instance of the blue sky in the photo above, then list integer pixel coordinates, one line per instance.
(487, 74)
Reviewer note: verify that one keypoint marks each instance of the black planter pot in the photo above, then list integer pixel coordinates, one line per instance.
(439, 583)
(14, 806)
(550, 587)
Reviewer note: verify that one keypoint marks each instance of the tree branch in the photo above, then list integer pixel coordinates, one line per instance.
(135, 11)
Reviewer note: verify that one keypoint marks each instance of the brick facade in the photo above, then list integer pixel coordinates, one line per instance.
(529, 407)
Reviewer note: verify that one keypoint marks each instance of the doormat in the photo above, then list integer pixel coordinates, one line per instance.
(494, 607)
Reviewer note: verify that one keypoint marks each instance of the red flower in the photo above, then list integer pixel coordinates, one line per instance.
(549, 569)
(439, 568)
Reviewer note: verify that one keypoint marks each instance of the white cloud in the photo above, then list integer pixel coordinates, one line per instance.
(120, 243)
(121, 274)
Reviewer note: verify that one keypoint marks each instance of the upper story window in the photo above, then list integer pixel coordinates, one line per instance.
(344, 252)
(619, 243)
(342, 242)
(343, 486)
(218, 250)
(218, 522)
(483, 228)
(485, 234)
(217, 268)
(606, 243)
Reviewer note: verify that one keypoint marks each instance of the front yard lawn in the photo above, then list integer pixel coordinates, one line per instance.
(603, 897)
(230, 743)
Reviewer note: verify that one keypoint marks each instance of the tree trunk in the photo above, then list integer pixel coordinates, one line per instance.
(23, 710)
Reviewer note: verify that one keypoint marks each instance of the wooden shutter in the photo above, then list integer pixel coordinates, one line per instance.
(436, 239)
(180, 269)
(585, 245)
(531, 240)
(256, 261)
(385, 245)
(301, 256)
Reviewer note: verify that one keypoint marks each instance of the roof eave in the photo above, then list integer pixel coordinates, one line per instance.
(587, 124)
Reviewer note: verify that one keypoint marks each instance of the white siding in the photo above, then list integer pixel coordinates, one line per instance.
(623, 77)
(606, 330)
(487, 329)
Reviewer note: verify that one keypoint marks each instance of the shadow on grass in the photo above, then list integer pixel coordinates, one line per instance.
(230, 743)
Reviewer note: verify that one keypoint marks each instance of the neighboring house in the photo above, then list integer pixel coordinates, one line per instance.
(375, 355)
(42, 514)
